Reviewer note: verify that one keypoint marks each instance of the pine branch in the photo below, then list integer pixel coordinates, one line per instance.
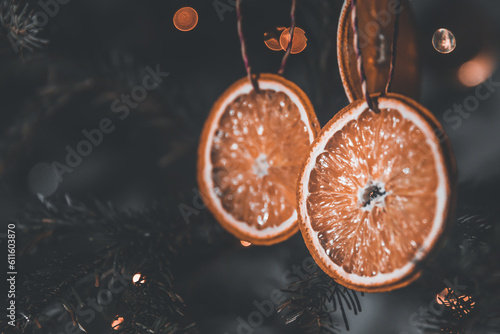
(314, 301)
(152, 307)
(20, 27)
(470, 255)
(105, 246)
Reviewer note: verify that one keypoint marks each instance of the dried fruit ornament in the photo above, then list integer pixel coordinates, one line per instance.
(376, 189)
(251, 151)
(376, 22)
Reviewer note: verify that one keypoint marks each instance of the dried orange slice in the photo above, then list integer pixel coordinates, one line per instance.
(376, 21)
(299, 42)
(375, 192)
(250, 154)
(186, 19)
(271, 38)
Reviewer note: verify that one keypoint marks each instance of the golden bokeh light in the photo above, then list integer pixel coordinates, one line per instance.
(137, 278)
(271, 38)
(299, 42)
(441, 297)
(116, 323)
(245, 243)
(476, 70)
(186, 19)
(448, 299)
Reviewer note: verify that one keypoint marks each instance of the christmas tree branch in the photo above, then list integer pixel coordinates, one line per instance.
(104, 246)
(313, 302)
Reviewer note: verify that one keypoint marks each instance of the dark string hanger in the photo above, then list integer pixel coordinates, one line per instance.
(359, 58)
(289, 47)
(244, 54)
(394, 47)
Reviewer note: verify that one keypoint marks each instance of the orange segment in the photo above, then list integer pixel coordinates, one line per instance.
(250, 154)
(374, 193)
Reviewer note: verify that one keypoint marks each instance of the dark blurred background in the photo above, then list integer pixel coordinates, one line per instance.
(98, 50)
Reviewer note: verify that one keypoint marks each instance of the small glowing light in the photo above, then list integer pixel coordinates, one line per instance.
(440, 297)
(448, 299)
(245, 243)
(116, 323)
(476, 70)
(186, 19)
(137, 277)
(444, 41)
(299, 42)
(271, 38)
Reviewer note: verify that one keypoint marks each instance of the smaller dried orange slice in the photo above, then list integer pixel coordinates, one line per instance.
(299, 42)
(250, 154)
(271, 38)
(375, 193)
(186, 19)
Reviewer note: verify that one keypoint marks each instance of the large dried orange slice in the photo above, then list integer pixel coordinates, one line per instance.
(375, 192)
(376, 20)
(250, 154)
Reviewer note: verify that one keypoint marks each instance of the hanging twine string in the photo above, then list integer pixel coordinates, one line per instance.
(289, 47)
(394, 47)
(359, 58)
(244, 54)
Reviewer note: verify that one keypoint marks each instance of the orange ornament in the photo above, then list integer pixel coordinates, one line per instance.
(271, 38)
(376, 21)
(250, 153)
(299, 40)
(375, 193)
(186, 19)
